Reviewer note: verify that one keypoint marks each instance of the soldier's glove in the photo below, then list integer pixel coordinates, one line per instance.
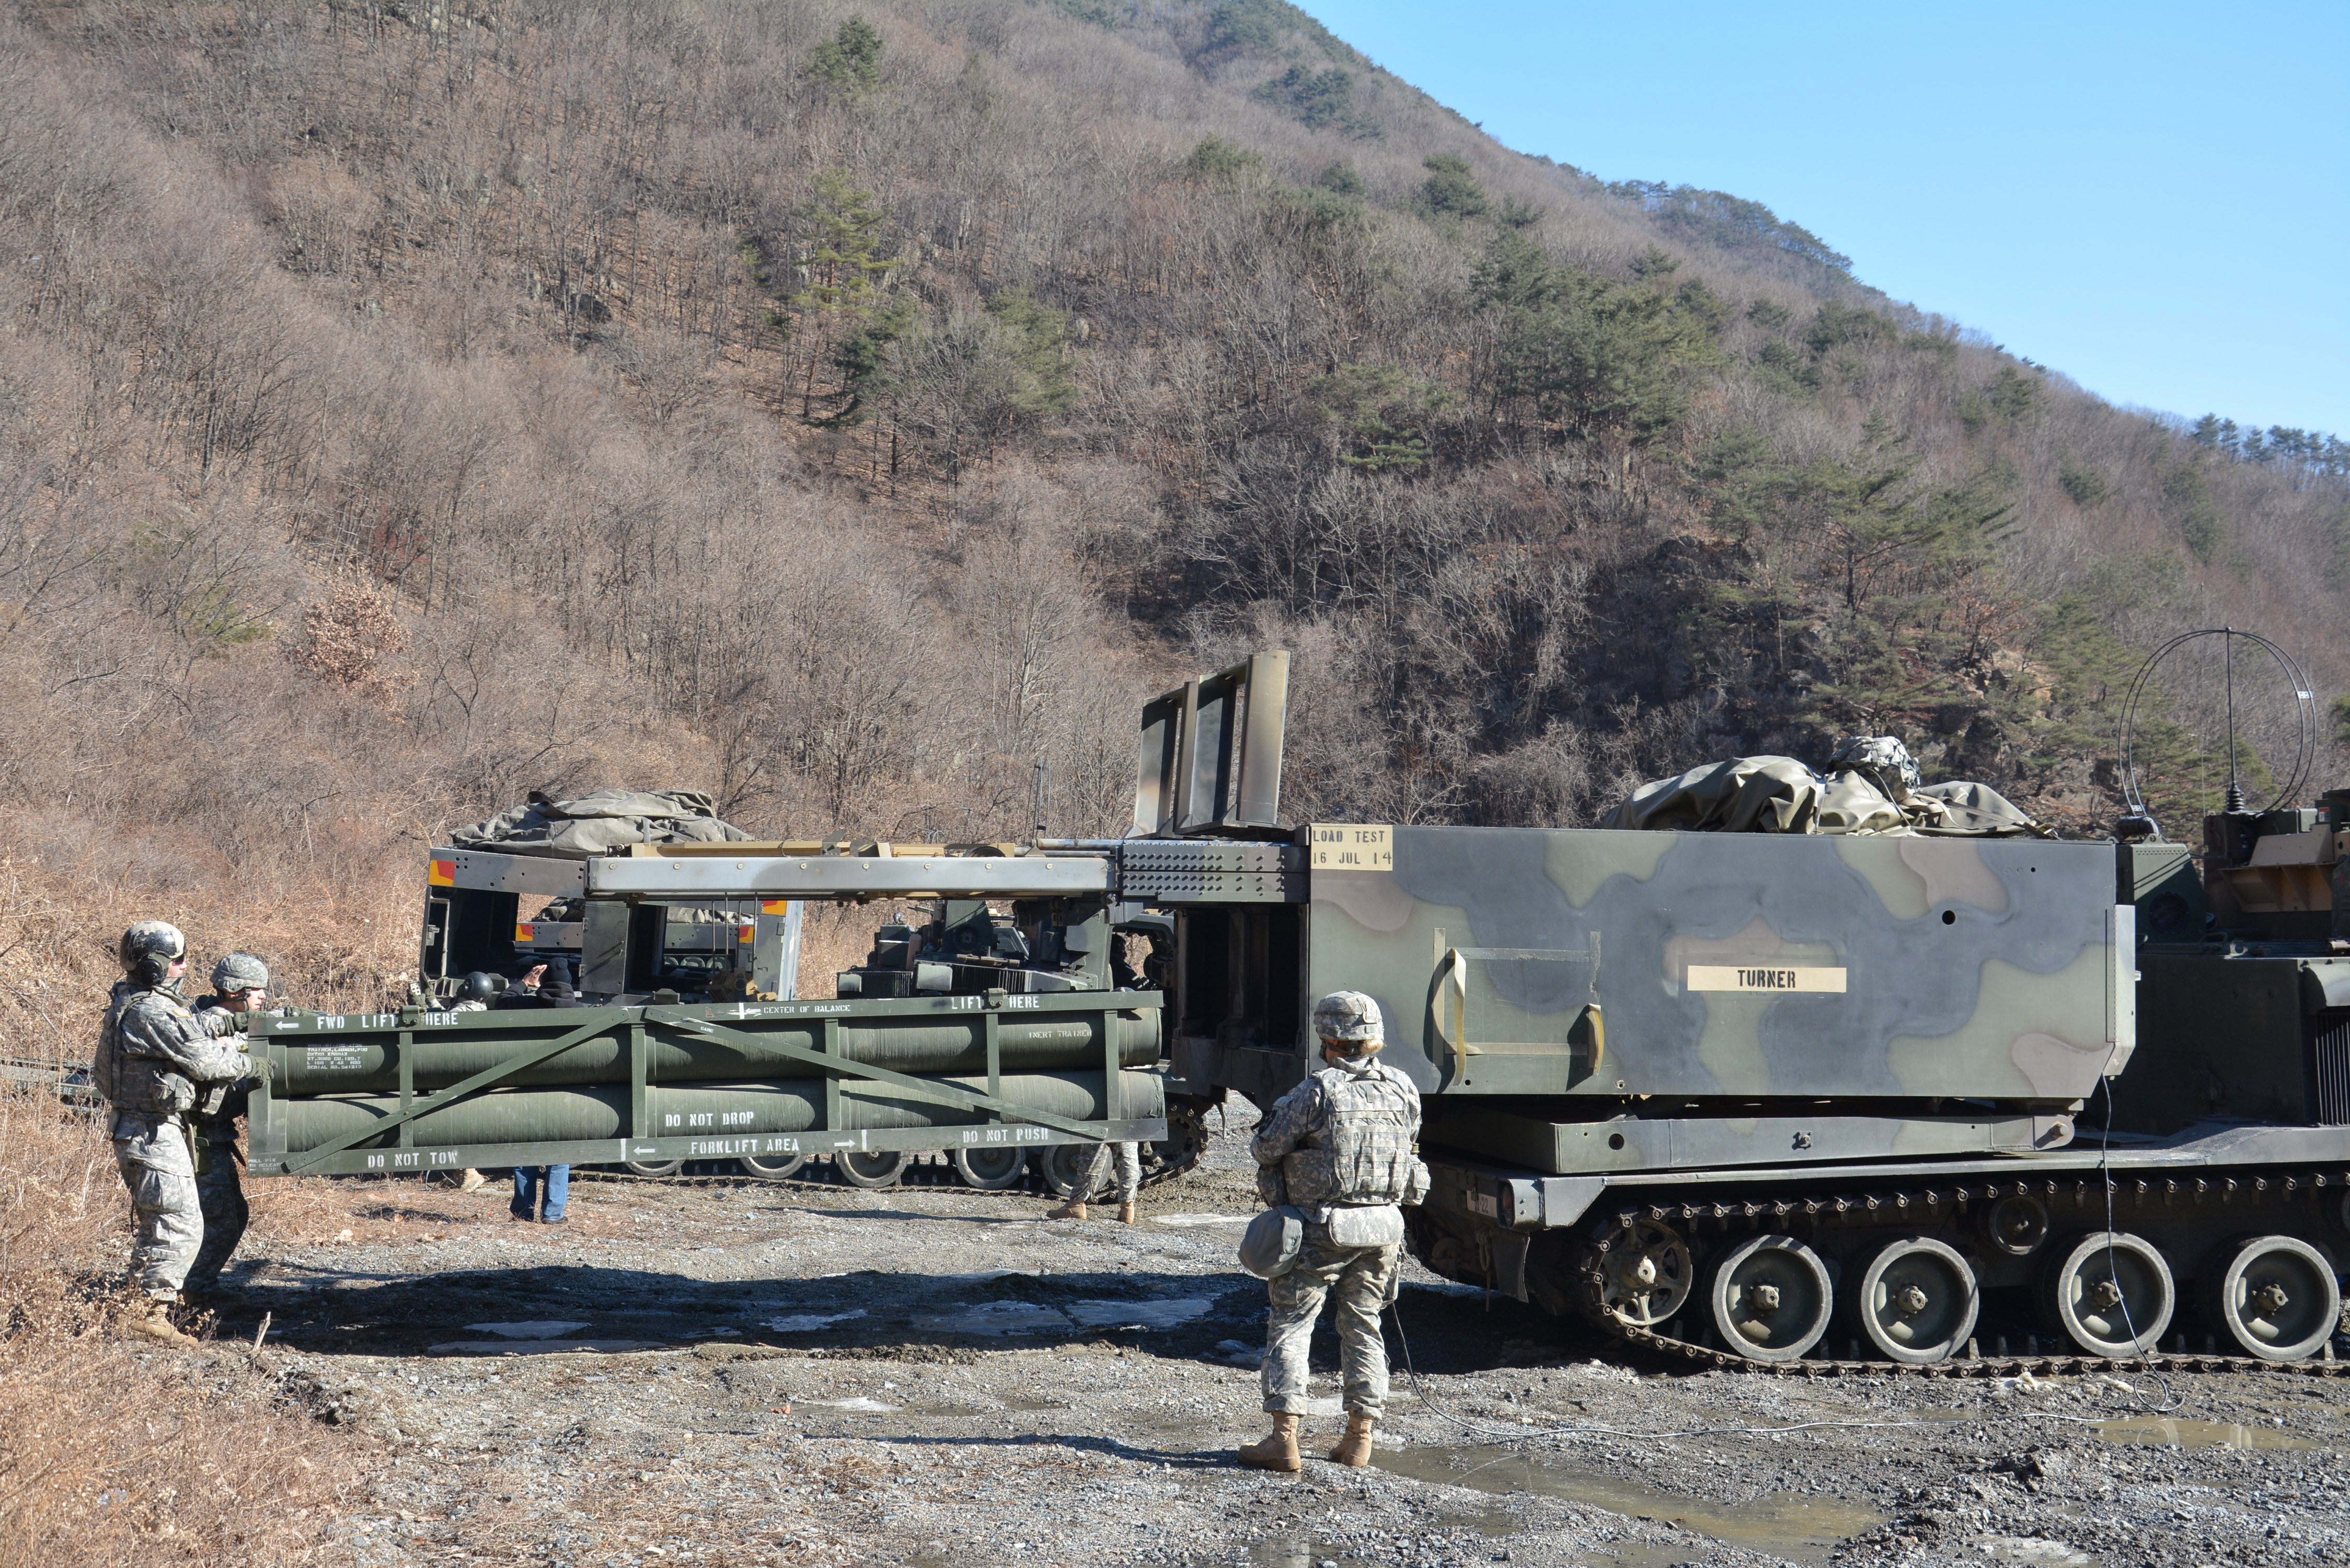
(256, 1070)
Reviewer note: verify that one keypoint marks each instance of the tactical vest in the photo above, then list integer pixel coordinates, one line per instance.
(1363, 1152)
(104, 1066)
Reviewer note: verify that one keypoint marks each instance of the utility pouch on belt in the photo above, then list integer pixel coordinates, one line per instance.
(1366, 1225)
(1270, 1245)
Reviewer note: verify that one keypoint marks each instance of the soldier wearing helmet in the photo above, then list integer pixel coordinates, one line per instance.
(1341, 1148)
(240, 990)
(155, 1060)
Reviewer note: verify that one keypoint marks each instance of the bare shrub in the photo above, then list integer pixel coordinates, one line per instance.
(348, 639)
(109, 1455)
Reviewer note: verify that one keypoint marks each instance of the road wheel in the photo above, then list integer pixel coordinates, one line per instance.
(2016, 1225)
(877, 1169)
(1915, 1301)
(772, 1166)
(2110, 1294)
(655, 1167)
(1769, 1298)
(990, 1170)
(1646, 1276)
(1062, 1165)
(2275, 1296)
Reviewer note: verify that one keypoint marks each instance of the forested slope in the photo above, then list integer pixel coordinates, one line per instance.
(840, 407)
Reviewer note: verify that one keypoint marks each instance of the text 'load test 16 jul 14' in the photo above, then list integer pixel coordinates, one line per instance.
(1776, 1067)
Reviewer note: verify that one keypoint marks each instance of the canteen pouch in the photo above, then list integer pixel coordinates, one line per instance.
(1270, 1245)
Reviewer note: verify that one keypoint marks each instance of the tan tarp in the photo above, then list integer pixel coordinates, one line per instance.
(593, 824)
(1780, 794)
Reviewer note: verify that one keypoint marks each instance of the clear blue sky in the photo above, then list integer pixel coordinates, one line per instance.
(2153, 199)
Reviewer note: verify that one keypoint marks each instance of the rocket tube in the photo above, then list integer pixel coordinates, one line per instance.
(371, 1065)
(689, 1110)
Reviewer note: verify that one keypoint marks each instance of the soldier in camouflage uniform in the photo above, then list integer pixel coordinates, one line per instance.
(240, 990)
(1118, 1163)
(1340, 1147)
(153, 1052)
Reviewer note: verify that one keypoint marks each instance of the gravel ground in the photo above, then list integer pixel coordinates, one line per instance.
(739, 1373)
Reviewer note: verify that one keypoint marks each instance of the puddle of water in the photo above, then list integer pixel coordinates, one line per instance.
(1291, 1552)
(1003, 1318)
(2162, 1432)
(1805, 1529)
(1486, 1523)
(545, 1328)
(1139, 1314)
(810, 1321)
(1199, 1218)
(548, 1347)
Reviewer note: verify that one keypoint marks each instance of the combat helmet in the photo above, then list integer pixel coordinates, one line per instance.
(240, 971)
(1352, 1018)
(148, 949)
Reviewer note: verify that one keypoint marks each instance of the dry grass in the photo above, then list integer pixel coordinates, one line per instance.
(110, 1454)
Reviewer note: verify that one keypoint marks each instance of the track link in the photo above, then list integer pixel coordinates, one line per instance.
(1934, 1203)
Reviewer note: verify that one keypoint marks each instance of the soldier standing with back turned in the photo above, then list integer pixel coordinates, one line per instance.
(1340, 1146)
(153, 1052)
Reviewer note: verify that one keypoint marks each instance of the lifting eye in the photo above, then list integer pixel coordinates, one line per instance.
(1950, 917)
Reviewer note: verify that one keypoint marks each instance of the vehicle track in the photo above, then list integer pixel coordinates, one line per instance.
(1937, 1204)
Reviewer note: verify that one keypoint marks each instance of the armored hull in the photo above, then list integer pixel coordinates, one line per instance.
(1777, 1098)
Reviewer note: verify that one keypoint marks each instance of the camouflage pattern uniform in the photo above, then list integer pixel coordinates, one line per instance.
(1342, 1139)
(153, 1052)
(1121, 1160)
(219, 1192)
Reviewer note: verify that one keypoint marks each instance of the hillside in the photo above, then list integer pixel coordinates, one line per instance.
(407, 405)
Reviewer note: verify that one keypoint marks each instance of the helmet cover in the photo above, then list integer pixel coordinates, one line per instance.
(240, 971)
(1349, 1016)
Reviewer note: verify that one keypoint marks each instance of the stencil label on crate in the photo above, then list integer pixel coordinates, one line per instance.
(346, 1058)
(1765, 977)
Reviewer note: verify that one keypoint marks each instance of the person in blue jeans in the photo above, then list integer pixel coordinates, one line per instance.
(555, 990)
(526, 1190)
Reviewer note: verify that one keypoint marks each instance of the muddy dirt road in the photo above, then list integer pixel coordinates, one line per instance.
(740, 1373)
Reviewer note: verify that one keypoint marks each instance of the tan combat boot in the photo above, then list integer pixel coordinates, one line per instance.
(1278, 1452)
(1354, 1450)
(1126, 1214)
(149, 1317)
(1075, 1209)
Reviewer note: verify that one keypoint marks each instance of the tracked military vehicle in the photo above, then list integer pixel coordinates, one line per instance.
(1921, 1091)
